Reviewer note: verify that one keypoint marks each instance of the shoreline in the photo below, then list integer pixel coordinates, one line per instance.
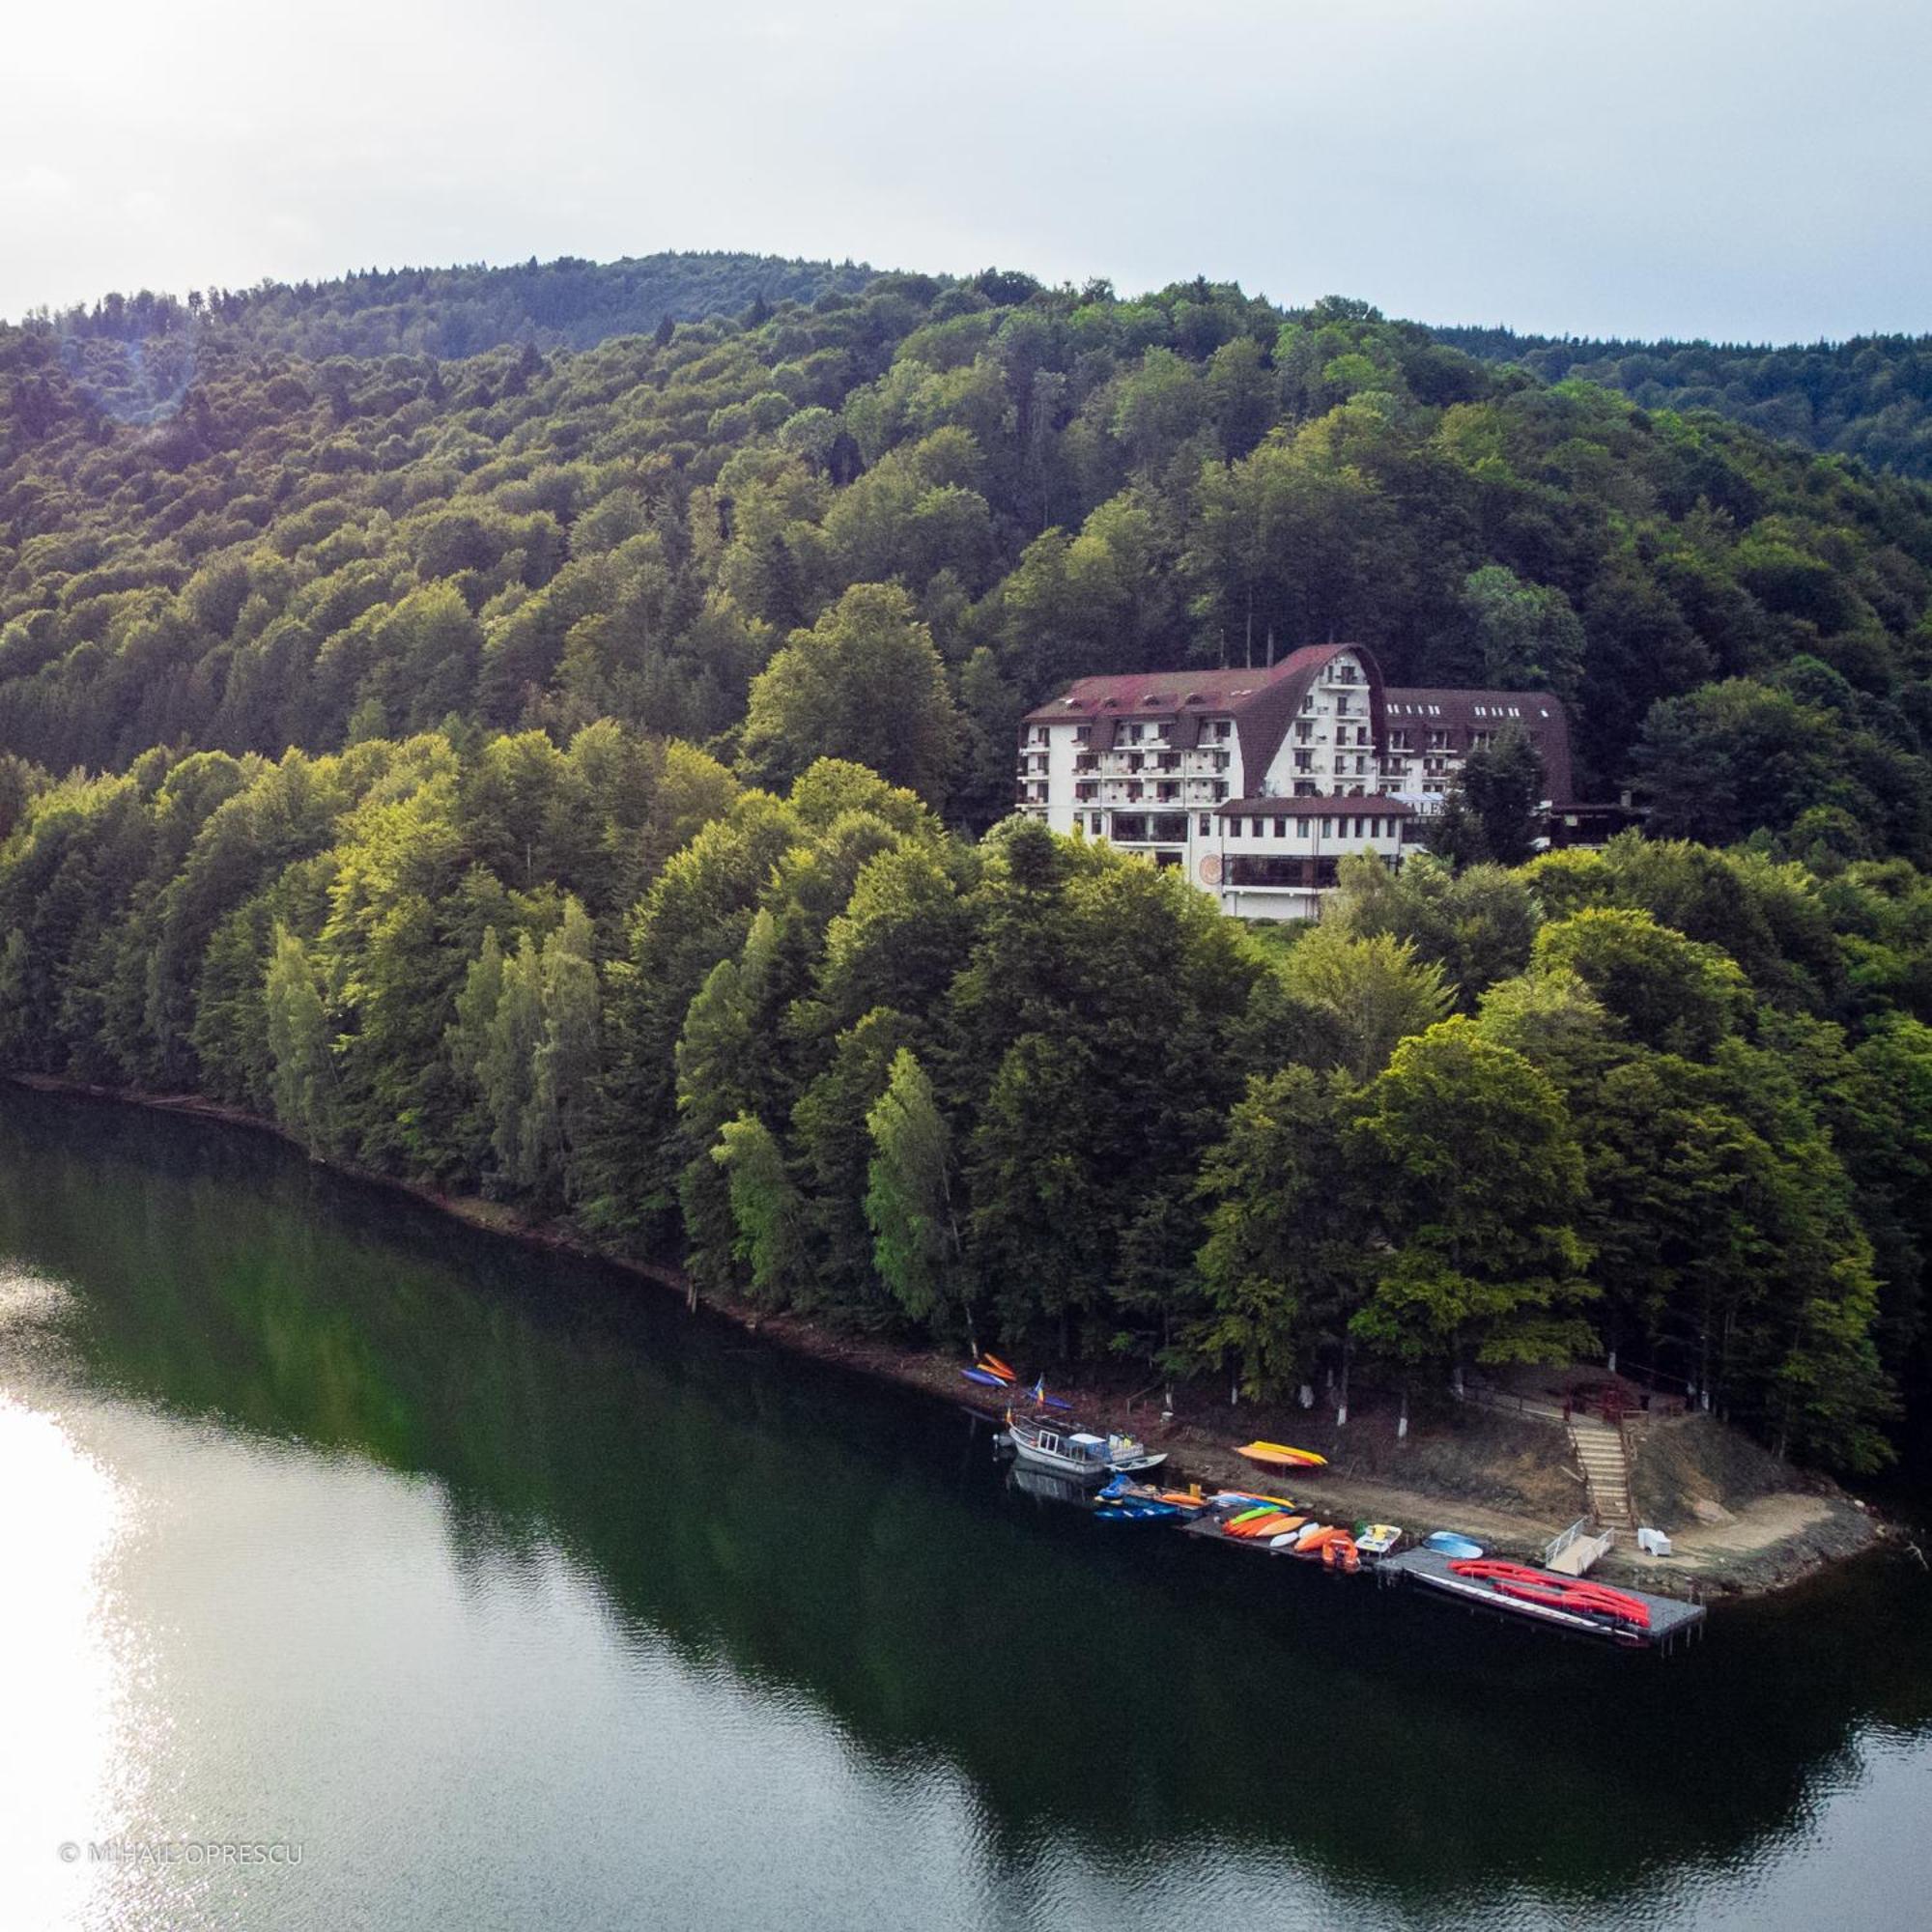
(1840, 1530)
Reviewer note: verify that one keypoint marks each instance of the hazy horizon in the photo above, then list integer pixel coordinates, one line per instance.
(1127, 291)
(1750, 174)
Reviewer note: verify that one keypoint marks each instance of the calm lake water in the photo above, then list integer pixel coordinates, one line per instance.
(497, 1591)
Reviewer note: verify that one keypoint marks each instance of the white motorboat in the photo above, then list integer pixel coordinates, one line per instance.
(1076, 1453)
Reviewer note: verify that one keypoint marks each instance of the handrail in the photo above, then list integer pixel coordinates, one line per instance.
(1579, 1531)
(1557, 1545)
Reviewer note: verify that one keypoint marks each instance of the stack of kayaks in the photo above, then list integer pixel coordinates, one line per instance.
(1260, 1522)
(1125, 1499)
(1574, 1594)
(1139, 1512)
(989, 1372)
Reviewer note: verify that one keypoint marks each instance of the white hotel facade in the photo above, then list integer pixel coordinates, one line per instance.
(1256, 783)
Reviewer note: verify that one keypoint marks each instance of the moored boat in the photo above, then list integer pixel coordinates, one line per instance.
(1079, 1452)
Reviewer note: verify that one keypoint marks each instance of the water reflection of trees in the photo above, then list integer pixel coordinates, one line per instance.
(1115, 1682)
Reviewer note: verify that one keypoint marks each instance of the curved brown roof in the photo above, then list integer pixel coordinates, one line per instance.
(1261, 703)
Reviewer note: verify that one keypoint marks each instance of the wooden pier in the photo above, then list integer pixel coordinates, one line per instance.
(1672, 1620)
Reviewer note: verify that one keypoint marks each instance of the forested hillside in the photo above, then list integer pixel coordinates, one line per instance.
(557, 773)
(309, 553)
(1028, 1090)
(136, 355)
(1868, 397)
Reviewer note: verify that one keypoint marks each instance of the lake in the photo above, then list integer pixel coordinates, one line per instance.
(360, 1568)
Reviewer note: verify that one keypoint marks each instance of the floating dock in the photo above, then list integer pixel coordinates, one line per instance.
(1211, 1527)
(1672, 1621)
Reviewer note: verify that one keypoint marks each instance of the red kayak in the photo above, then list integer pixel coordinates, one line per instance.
(1576, 1594)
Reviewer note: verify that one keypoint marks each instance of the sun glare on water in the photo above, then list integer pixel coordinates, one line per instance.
(63, 1667)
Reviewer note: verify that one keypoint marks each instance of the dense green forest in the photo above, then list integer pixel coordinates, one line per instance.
(310, 553)
(558, 772)
(136, 355)
(844, 1060)
(1868, 397)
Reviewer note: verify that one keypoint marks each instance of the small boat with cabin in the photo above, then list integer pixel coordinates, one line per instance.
(1079, 1452)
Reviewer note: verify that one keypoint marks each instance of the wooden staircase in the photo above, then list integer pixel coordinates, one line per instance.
(1606, 1464)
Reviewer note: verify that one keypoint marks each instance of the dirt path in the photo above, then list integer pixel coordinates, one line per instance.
(1755, 1528)
(1775, 1540)
(1352, 1501)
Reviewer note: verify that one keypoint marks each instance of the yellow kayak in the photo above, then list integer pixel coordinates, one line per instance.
(1279, 1455)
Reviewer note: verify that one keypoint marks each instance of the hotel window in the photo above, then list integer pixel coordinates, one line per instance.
(1281, 828)
(1254, 828)
(1083, 734)
(1207, 826)
(1093, 819)
(1328, 827)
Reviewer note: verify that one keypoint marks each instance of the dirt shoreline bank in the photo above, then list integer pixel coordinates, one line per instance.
(1772, 1542)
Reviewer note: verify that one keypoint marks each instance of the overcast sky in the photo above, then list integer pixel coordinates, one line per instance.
(1703, 167)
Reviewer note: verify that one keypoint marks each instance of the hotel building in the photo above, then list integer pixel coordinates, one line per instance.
(1255, 783)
